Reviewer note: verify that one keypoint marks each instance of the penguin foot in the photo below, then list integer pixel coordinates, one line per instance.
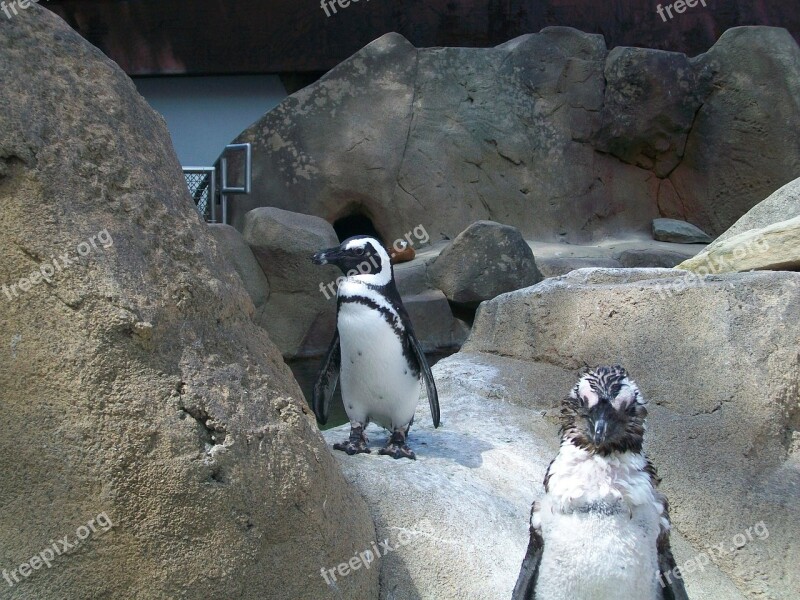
(356, 444)
(397, 447)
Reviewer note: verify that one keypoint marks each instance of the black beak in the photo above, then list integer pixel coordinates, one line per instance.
(599, 432)
(600, 420)
(329, 256)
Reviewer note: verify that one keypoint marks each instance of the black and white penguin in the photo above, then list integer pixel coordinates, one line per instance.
(601, 531)
(374, 350)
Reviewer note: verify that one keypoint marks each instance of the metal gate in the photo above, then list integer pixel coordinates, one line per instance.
(235, 174)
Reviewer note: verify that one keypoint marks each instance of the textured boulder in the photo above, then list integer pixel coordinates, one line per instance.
(718, 359)
(781, 205)
(300, 313)
(549, 131)
(133, 382)
(766, 237)
(775, 247)
(679, 232)
(743, 144)
(237, 253)
(486, 259)
(430, 313)
(651, 98)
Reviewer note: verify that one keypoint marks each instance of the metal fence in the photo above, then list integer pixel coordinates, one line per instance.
(202, 184)
(235, 167)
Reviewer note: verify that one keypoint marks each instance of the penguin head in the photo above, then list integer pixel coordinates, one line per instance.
(361, 257)
(604, 413)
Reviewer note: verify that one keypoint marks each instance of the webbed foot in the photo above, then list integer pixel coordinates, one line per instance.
(356, 444)
(397, 448)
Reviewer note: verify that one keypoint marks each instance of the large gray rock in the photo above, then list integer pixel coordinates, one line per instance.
(766, 237)
(718, 359)
(466, 500)
(134, 384)
(300, 313)
(783, 204)
(651, 98)
(775, 247)
(236, 251)
(486, 259)
(743, 143)
(678, 232)
(549, 131)
(434, 324)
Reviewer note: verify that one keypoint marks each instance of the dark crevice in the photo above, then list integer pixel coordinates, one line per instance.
(213, 433)
(355, 223)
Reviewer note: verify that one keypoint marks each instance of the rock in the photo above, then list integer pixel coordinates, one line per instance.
(766, 237)
(134, 384)
(485, 260)
(717, 358)
(775, 247)
(742, 145)
(466, 500)
(300, 314)
(233, 247)
(553, 266)
(645, 122)
(434, 324)
(551, 132)
(412, 277)
(781, 205)
(644, 258)
(679, 232)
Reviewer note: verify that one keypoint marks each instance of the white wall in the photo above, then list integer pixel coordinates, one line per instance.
(204, 114)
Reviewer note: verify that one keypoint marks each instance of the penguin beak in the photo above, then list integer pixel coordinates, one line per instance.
(600, 421)
(324, 257)
(599, 431)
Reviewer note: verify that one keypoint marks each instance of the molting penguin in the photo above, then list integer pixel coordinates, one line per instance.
(601, 532)
(374, 350)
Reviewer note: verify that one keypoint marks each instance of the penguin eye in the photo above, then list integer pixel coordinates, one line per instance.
(359, 251)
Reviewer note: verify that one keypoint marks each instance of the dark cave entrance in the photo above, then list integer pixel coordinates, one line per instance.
(355, 224)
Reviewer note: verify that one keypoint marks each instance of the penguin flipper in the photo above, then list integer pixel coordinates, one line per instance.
(673, 588)
(412, 344)
(427, 375)
(327, 380)
(529, 572)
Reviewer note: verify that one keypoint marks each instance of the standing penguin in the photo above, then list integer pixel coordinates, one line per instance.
(601, 532)
(374, 350)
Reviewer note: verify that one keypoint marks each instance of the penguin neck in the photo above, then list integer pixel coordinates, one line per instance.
(360, 285)
(578, 478)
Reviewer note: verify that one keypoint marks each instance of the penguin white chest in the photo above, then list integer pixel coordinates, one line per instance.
(378, 384)
(600, 525)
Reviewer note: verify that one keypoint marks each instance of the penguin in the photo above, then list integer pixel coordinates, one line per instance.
(373, 351)
(601, 531)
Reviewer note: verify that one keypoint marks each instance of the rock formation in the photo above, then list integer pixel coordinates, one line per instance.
(718, 360)
(766, 237)
(485, 260)
(679, 232)
(300, 312)
(133, 382)
(549, 132)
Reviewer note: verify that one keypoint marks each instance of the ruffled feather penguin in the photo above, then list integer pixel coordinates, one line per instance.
(374, 351)
(601, 531)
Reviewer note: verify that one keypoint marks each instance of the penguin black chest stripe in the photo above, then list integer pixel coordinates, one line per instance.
(389, 312)
(389, 316)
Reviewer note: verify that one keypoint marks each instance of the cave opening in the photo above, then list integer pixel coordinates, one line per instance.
(355, 224)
